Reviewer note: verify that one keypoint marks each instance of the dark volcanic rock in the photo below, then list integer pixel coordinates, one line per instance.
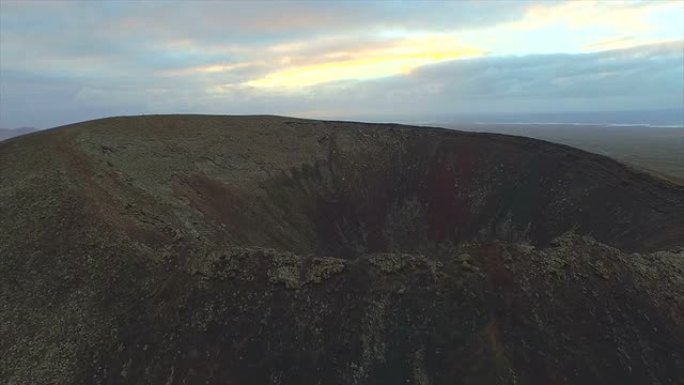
(267, 250)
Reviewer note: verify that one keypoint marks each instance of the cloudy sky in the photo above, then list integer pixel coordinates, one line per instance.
(63, 62)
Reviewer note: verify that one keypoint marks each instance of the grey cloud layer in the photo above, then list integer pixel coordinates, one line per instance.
(65, 62)
(36, 33)
(648, 77)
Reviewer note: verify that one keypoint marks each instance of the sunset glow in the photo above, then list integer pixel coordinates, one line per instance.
(394, 60)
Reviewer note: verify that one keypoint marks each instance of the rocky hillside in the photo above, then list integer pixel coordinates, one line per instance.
(270, 250)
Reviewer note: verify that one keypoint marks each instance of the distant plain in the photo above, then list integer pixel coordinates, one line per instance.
(658, 150)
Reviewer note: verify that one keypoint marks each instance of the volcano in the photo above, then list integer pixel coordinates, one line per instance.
(192, 249)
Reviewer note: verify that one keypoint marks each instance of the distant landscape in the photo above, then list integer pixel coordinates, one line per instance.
(657, 149)
(6, 133)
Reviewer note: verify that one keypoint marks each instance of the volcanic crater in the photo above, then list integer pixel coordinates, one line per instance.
(185, 249)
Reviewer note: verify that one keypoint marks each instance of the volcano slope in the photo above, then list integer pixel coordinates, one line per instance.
(269, 250)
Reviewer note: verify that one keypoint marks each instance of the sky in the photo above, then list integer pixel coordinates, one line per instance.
(64, 62)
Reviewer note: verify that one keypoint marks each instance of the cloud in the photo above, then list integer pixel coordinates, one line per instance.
(116, 38)
(390, 58)
(331, 59)
(646, 77)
